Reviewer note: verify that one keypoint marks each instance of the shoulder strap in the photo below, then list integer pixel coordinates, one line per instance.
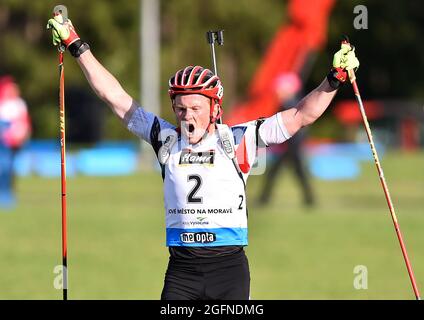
(227, 140)
(165, 150)
(259, 141)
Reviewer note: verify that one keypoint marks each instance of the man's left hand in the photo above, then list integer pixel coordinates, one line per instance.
(345, 58)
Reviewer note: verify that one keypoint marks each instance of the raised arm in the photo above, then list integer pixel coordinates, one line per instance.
(104, 84)
(311, 107)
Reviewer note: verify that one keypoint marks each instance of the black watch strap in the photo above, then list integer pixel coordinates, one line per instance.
(78, 48)
(333, 81)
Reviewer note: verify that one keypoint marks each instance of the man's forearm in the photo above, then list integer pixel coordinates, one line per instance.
(309, 109)
(316, 102)
(104, 84)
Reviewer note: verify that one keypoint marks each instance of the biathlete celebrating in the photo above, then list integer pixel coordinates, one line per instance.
(205, 165)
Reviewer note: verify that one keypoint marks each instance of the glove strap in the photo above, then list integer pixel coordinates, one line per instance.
(78, 47)
(337, 77)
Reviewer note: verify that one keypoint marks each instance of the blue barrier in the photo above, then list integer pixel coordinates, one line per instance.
(106, 162)
(42, 145)
(340, 160)
(118, 145)
(48, 164)
(42, 157)
(359, 151)
(22, 165)
(333, 167)
(111, 158)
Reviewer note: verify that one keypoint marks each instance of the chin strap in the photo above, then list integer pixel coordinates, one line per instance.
(212, 119)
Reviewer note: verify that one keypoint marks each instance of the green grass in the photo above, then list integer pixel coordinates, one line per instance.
(116, 237)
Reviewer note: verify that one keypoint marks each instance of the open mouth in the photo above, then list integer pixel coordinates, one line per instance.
(190, 128)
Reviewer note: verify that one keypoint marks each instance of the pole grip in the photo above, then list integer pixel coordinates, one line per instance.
(62, 10)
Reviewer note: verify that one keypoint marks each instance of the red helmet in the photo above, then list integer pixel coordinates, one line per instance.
(196, 80)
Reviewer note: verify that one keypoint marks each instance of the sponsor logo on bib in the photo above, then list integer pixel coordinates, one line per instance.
(197, 237)
(190, 157)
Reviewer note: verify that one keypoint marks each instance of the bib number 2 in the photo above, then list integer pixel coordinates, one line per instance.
(241, 202)
(191, 197)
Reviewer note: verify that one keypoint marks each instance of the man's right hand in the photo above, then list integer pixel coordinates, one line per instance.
(63, 32)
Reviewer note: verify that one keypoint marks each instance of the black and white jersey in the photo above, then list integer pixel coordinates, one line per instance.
(204, 195)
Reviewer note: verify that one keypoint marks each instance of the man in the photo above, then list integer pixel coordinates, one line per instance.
(15, 130)
(204, 165)
(288, 87)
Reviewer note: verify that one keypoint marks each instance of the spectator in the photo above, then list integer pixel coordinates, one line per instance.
(15, 129)
(289, 90)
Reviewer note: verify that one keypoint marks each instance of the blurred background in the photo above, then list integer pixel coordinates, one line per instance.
(309, 228)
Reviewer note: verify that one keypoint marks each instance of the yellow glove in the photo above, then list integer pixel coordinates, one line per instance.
(343, 60)
(62, 31)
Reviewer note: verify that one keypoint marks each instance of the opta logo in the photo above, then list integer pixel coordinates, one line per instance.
(189, 157)
(197, 237)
